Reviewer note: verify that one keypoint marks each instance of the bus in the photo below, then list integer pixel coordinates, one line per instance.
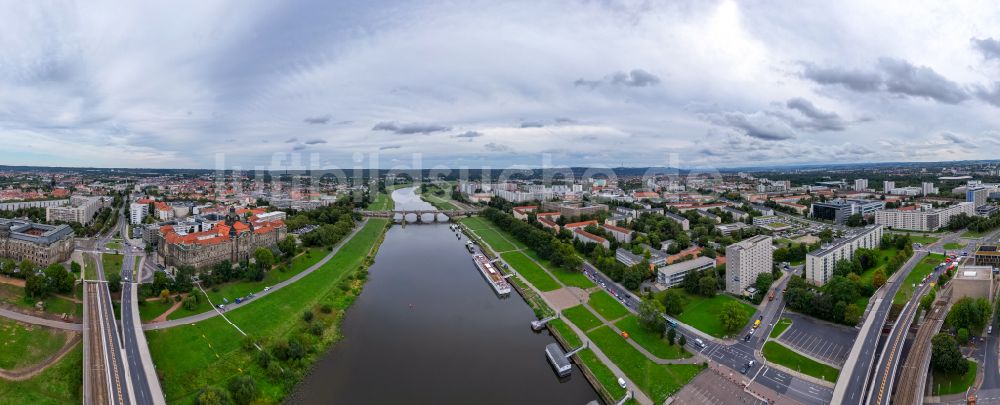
(672, 323)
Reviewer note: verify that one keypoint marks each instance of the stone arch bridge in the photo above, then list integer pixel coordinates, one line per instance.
(418, 213)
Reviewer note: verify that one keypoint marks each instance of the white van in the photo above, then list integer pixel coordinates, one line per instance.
(699, 343)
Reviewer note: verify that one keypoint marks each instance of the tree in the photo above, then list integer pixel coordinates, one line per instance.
(59, 279)
(945, 356)
(969, 313)
(878, 279)
(650, 315)
(673, 302)
(671, 335)
(683, 341)
(75, 267)
(213, 396)
(26, 267)
(36, 286)
(288, 247)
(764, 281)
(732, 315)
(264, 257)
(114, 282)
(243, 389)
(962, 335)
(852, 314)
(706, 286)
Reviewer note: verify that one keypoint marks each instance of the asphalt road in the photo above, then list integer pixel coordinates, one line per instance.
(137, 372)
(855, 375)
(112, 342)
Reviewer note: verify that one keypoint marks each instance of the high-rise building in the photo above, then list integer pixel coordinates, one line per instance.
(922, 219)
(860, 184)
(977, 195)
(887, 186)
(745, 260)
(821, 262)
(137, 212)
(929, 188)
(80, 209)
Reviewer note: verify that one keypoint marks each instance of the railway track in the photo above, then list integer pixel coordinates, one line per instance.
(914, 374)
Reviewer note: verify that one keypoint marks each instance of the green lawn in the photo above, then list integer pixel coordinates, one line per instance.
(651, 341)
(659, 381)
(607, 306)
(923, 239)
(608, 380)
(191, 357)
(778, 354)
(60, 384)
(241, 288)
(114, 245)
(570, 278)
(89, 266)
(702, 313)
(112, 264)
(531, 271)
(973, 234)
(922, 269)
(475, 223)
(581, 317)
(953, 245)
(496, 242)
(782, 325)
(882, 258)
(571, 338)
(22, 345)
(438, 202)
(945, 384)
(382, 202)
(14, 295)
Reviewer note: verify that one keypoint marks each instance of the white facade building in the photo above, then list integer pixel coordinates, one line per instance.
(745, 260)
(137, 212)
(923, 219)
(860, 184)
(820, 263)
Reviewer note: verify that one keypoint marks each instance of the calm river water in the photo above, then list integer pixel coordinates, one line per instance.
(428, 329)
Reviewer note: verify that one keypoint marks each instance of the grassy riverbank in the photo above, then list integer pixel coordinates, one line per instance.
(192, 357)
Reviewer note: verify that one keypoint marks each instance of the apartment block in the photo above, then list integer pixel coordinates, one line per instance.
(820, 263)
(745, 260)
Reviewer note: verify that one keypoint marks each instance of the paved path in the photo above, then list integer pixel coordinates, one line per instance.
(34, 320)
(215, 312)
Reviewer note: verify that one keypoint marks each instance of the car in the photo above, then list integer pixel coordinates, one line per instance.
(745, 368)
(268, 288)
(749, 335)
(239, 300)
(989, 331)
(699, 343)
(621, 382)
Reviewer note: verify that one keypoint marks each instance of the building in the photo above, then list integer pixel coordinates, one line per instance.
(162, 211)
(973, 282)
(11, 206)
(860, 184)
(80, 209)
(922, 218)
(574, 209)
(41, 244)
(928, 188)
(745, 260)
(820, 263)
(523, 211)
(673, 275)
(839, 211)
(988, 255)
(233, 240)
(620, 234)
(987, 210)
(887, 186)
(709, 215)
(738, 215)
(656, 257)
(587, 237)
(728, 229)
(683, 222)
(763, 210)
(137, 212)
(767, 220)
(977, 195)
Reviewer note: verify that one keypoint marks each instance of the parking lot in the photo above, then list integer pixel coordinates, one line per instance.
(823, 341)
(710, 388)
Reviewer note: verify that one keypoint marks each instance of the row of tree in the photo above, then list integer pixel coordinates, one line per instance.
(559, 253)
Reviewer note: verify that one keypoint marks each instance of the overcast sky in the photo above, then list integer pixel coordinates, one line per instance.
(498, 83)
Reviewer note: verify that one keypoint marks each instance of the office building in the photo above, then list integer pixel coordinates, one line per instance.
(41, 244)
(922, 218)
(973, 282)
(839, 211)
(821, 262)
(137, 212)
(673, 275)
(988, 255)
(745, 260)
(860, 184)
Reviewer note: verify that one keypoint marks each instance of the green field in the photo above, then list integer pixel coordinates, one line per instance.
(241, 288)
(778, 354)
(54, 304)
(191, 357)
(780, 327)
(953, 245)
(607, 306)
(531, 271)
(922, 269)
(651, 341)
(582, 317)
(702, 313)
(114, 245)
(60, 384)
(608, 380)
(112, 264)
(498, 240)
(438, 202)
(22, 345)
(659, 381)
(882, 258)
(973, 234)
(382, 202)
(570, 278)
(476, 223)
(945, 384)
(89, 267)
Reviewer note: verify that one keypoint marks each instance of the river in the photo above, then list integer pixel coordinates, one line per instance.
(428, 329)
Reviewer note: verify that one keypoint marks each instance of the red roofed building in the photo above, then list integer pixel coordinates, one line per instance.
(232, 240)
(522, 212)
(587, 237)
(620, 234)
(582, 224)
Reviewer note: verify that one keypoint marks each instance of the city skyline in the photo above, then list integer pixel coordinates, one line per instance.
(719, 84)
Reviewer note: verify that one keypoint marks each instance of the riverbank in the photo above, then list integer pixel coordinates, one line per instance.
(191, 358)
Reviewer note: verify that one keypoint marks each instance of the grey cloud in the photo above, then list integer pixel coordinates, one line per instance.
(387, 147)
(957, 139)
(409, 129)
(495, 147)
(532, 124)
(819, 120)
(989, 94)
(988, 46)
(894, 76)
(902, 77)
(315, 141)
(469, 134)
(852, 79)
(291, 140)
(758, 125)
(317, 120)
(564, 120)
(298, 147)
(634, 78)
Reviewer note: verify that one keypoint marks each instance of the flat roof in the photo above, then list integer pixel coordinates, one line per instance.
(687, 265)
